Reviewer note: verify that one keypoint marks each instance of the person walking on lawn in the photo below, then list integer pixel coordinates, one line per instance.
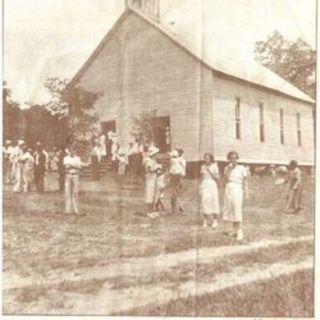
(151, 166)
(209, 192)
(72, 164)
(295, 188)
(236, 186)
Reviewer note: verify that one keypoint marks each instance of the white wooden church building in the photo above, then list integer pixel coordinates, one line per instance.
(141, 66)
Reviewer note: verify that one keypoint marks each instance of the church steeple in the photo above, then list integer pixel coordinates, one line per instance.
(151, 8)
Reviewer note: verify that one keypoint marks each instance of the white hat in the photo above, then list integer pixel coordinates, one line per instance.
(152, 151)
(20, 142)
(8, 141)
(174, 154)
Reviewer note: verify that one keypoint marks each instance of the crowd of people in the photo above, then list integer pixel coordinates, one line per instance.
(234, 180)
(24, 166)
(125, 159)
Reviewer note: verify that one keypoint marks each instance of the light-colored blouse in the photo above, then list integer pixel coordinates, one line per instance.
(235, 174)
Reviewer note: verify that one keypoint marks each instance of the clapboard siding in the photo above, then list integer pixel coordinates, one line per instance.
(249, 146)
(140, 69)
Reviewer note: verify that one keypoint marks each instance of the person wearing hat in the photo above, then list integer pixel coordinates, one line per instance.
(40, 161)
(295, 188)
(72, 164)
(7, 164)
(17, 166)
(151, 166)
(27, 170)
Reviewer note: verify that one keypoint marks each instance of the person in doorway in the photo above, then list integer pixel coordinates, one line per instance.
(209, 192)
(151, 166)
(27, 169)
(114, 152)
(103, 147)
(40, 161)
(72, 164)
(295, 188)
(110, 136)
(17, 165)
(236, 188)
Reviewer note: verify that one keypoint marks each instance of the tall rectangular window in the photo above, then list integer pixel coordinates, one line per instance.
(238, 118)
(281, 127)
(299, 129)
(261, 122)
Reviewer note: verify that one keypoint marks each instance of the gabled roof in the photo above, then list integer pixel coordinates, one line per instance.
(246, 70)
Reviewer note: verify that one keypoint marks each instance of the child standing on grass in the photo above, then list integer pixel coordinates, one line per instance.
(209, 191)
(295, 188)
(161, 185)
(236, 186)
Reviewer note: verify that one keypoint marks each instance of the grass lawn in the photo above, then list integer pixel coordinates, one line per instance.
(287, 296)
(42, 242)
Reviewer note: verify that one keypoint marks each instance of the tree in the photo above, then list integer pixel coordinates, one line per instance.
(142, 127)
(75, 106)
(11, 113)
(295, 61)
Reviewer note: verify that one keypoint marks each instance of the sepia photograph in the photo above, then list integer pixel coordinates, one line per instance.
(159, 158)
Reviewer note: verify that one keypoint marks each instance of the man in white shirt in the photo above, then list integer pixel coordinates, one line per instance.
(72, 164)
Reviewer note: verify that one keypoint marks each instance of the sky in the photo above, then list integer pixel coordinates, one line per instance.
(45, 38)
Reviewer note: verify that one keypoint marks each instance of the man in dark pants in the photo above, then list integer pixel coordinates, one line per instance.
(61, 170)
(39, 168)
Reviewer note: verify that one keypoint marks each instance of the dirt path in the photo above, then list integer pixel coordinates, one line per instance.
(109, 302)
(141, 266)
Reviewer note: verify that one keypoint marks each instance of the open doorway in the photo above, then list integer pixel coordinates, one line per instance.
(161, 133)
(107, 126)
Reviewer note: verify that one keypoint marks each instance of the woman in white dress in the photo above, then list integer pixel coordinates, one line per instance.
(209, 191)
(151, 166)
(236, 186)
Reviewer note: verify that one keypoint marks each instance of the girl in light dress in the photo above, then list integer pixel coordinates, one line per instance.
(236, 187)
(209, 203)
